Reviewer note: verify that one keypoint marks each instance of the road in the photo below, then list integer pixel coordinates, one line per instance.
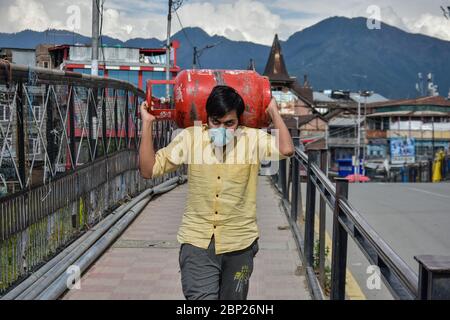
(413, 218)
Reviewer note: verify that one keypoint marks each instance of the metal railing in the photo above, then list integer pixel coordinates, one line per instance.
(433, 281)
(69, 155)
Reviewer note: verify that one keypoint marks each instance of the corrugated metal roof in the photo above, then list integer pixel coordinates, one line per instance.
(319, 96)
(387, 114)
(434, 101)
(409, 113)
(374, 98)
(344, 122)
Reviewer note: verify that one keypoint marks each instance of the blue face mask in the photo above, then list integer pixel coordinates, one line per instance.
(220, 136)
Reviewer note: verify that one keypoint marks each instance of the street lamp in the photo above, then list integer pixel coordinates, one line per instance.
(364, 94)
(358, 143)
(198, 53)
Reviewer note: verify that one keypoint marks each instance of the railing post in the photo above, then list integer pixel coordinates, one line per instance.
(104, 124)
(309, 215)
(126, 119)
(434, 277)
(136, 117)
(116, 120)
(282, 177)
(295, 189)
(430, 170)
(339, 251)
(72, 126)
(322, 218)
(20, 118)
(51, 146)
(91, 105)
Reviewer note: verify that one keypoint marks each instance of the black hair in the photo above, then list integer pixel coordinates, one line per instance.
(224, 99)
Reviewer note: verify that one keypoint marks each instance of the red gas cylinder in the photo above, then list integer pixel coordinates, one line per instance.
(191, 89)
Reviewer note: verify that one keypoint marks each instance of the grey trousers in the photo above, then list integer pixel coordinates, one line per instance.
(207, 276)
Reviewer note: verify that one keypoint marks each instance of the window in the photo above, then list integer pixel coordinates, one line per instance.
(37, 114)
(45, 64)
(377, 124)
(4, 144)
(158, 90)
(385, 124)
(34, 145)
(5, 112)
(130, 76)
(155, 58)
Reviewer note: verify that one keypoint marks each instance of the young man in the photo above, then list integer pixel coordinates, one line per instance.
(218, 233)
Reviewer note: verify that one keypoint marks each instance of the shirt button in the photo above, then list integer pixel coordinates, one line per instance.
(217, 195)
(214, 227)
(218, 177)
(216, 212)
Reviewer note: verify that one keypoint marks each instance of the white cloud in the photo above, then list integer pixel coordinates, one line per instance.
(415, 16)
(115, 23)
(28, 14)
(389, 16)
(242, 20)
(248, 20)
(435, 26)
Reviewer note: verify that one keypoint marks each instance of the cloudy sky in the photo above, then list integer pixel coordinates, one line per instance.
(250, 20)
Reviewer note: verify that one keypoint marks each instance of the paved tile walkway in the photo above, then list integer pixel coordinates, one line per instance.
(143, 262)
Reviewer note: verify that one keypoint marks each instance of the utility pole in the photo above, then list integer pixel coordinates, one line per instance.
(365, 94)
(95, 31)
(169, 22)
(432, 138)
(358, 143)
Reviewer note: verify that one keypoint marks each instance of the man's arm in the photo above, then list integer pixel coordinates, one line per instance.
(286, 146)
(146, 151)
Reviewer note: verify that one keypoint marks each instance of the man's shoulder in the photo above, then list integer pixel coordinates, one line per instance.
(252, 132)
(186, 130)
(195, 127)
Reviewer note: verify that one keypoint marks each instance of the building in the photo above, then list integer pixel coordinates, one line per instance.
(43, 59)
(33, 114)
(340, 108)
(295, 101)
(19, 56)
(342, 138)
(25, 57)
(135, 65)
(421, 125)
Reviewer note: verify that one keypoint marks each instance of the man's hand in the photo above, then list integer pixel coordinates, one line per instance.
(286, 146)
(272, 109)
(146, 151)
(146, 116)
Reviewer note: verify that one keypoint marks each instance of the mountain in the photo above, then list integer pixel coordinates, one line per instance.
(226, 54)
(336, 53)
(336, 50)
(30, 39)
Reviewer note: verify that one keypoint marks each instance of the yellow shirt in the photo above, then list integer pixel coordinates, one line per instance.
(221, 189)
